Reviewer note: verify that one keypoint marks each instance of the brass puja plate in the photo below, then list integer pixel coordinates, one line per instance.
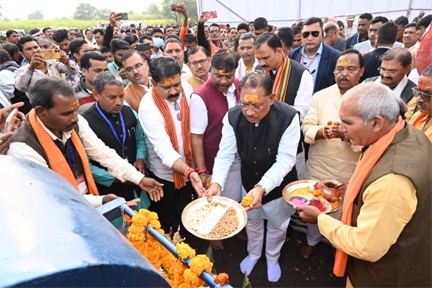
(200, 216)
(301, 193)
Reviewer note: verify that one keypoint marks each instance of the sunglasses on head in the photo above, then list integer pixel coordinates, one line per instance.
(314, 34)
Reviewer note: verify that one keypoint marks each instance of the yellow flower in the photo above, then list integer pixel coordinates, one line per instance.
(191, 278)
(184, 250)
(200, 263)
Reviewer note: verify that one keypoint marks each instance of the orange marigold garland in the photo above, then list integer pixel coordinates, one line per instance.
(176, 273)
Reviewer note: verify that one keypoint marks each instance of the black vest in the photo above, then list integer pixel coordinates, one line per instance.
(104, 132)
(258, 146)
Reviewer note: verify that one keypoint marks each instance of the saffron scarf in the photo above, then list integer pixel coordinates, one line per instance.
(57, 161)
(280, 85)
(362, 171)
(161, 104)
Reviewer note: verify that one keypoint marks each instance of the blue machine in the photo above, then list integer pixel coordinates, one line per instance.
(51, 236)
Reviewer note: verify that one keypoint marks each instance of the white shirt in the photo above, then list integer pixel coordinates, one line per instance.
(304, 94)
(186, 73)
(161, 154)
(365, 46)
(199, 112)
(285, 159)
(95, 149)
(241, 68)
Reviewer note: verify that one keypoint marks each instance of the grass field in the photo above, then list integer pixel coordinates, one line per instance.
(70, 23)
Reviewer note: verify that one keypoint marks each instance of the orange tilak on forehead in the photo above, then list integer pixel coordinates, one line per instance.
(170, 81)
(225, 73)
(345, 62)
(250, 98)
(74, 104)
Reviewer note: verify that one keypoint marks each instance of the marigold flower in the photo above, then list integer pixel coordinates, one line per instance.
(247, 201)
(222, 279)
(200, 263)
(184, 250)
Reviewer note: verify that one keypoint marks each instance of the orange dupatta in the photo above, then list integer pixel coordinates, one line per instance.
(179, 179)
(362, 171)
(281, 81)
(57, 161)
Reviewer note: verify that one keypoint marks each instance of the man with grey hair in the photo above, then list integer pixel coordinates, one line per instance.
(395, 65)
(117, 126)
(384, 236)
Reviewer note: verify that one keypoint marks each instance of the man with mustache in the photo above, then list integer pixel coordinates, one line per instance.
(329, 157)
(422, 119)
(55, 135)
(246, 49)
(174, 48)
(118, 127)
(293, 83)
(209, 104)
(165, 117)
(362, 30)
(137, 70)
(199, 64)
(395, 65)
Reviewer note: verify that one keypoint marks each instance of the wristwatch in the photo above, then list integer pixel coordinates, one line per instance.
(262, 187)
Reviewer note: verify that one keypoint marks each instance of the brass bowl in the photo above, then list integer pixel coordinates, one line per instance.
(333, 190)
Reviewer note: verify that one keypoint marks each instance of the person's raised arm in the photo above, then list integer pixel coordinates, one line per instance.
(201, 38)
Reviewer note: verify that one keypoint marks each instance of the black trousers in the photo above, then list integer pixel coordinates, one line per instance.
(171, 205)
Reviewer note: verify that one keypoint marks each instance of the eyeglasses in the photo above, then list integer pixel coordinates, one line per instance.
(138, 67)
(349, 70)
(177, 108)
(424, 96)
(214, 31)
(314, 34)
(254, 107)
(200, 62)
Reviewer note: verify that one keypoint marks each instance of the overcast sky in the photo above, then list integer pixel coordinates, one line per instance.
(51, 9)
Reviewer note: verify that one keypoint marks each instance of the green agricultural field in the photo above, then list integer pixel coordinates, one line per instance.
(70, 23)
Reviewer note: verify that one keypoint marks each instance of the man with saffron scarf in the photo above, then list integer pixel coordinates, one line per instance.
(422, 119)
(384, 237)
(293, 83)
(54, 135)
(165, 117)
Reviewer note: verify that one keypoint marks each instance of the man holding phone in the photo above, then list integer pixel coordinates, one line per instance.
(38, 67)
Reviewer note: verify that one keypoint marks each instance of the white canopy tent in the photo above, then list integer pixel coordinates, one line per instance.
(286, 12)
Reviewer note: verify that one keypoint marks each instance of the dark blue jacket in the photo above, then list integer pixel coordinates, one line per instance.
(326, 66)
(351, 41)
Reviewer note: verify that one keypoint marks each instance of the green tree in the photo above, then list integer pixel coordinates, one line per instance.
(103, 14)
(153, 9)
(190, 5)
(84, 12)
(37, 15)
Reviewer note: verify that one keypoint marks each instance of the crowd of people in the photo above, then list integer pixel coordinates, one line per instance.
(162, 116)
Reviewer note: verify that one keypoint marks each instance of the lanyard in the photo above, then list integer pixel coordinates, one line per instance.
(70, 157)
(122, 143)
(310, 63)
